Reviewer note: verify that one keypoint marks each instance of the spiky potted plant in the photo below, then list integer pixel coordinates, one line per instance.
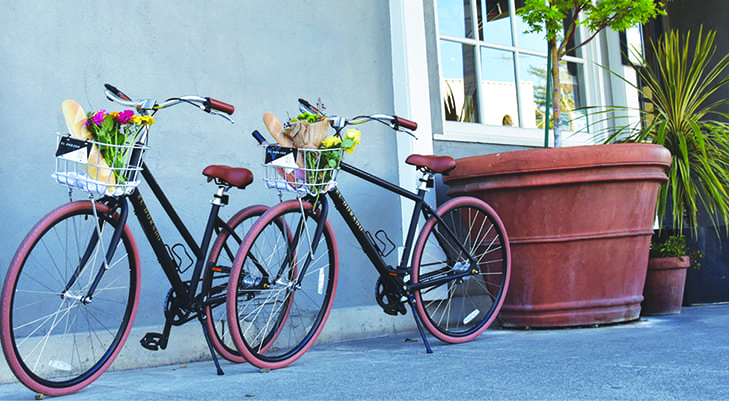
(681, 83)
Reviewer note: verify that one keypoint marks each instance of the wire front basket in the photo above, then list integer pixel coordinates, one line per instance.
(98, 168)
(300, 170)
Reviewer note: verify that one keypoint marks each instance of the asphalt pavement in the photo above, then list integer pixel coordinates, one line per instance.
(677, 357)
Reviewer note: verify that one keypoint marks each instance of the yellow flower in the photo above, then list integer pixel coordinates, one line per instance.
(331, 142)
(142, 120)
(352, 137)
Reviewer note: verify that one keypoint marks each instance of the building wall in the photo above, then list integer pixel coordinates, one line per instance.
(692, 15)
(259, 56)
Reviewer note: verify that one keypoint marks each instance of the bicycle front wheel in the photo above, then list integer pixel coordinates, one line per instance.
(281, 288)
(217, 270)
(57, 335)
(462, 262)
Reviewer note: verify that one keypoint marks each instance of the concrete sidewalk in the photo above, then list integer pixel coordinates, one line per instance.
(675, 357)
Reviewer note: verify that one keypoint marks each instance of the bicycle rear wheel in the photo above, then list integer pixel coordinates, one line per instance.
(281, 289)
(55, 338)
(464, 298)
(220, 261)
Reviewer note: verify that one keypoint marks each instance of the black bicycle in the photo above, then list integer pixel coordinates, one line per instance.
(72, 289)
(454, 274)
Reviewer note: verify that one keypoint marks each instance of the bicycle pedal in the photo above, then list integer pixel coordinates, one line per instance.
(151, 341)
(394, 310)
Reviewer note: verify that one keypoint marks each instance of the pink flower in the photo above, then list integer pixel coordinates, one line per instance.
(125, 116)
(96, 119)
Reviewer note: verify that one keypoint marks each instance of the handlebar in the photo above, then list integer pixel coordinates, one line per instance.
(150, 106)
(338, 123)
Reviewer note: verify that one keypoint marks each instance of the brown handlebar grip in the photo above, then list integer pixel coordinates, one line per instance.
(402, 122)
(221, 106)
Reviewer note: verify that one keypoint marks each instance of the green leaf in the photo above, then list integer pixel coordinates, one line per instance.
(347, 143)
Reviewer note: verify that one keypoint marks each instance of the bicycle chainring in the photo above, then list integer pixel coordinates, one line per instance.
(389, 299)
(173, 312)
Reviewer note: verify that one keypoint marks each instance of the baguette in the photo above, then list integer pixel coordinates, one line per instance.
(75, 119)
(97, 168)
(276, 129)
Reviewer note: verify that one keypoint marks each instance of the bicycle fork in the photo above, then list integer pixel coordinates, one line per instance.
(97, 240)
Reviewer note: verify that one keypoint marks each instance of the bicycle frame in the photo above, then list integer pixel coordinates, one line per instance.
(189, 299)
(393, 278)
(154, 237)
(358, 230)
(369, 248)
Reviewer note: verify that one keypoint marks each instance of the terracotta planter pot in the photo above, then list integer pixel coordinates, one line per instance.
(664, 285)
(579, 221)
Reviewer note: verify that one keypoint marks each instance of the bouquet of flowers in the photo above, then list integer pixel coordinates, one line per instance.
(115, 133)
(307, 158)
(307, 130)
(320, 165)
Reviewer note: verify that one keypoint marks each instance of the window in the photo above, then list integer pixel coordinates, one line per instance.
(492, 73)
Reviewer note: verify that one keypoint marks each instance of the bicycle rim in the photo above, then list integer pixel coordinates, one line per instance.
(54, 341)
(283, 291)
(459, 309)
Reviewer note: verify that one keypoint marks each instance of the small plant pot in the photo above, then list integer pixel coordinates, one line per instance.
(664, 286)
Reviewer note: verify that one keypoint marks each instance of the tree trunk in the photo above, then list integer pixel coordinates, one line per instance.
(556, 94)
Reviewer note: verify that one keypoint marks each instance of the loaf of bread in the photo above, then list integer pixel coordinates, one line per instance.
(275, 127)
(75, 119)
(97, 167)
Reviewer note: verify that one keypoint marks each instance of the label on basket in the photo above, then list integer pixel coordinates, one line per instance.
(281, 156)
(73, 149)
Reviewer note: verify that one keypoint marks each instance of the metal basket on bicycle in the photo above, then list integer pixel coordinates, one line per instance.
(301, 170)
(96, 167)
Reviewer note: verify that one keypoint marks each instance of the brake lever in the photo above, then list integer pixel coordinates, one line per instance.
(221, 114)
(409, 133)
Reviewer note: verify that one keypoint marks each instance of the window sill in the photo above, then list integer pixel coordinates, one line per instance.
(504, 135)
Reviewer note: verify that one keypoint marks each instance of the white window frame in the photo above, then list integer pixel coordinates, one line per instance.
(501, 135)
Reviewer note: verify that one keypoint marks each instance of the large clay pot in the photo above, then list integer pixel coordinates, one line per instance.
(579, 220)
(664, 285)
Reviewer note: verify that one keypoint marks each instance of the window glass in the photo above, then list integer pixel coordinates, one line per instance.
(631, 45)
(533, 87)
(491, 69)
(571, 120)
(454, 18)
(459, 82)
(499, 87)
(496, 27)
(529, 41)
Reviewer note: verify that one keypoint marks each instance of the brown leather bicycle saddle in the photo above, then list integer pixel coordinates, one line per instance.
(436, 164)
(234, 176)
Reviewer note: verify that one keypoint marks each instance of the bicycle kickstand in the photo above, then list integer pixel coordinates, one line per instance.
(210, 345)
(411, 301)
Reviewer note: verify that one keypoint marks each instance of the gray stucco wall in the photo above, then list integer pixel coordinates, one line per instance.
(259, 56)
